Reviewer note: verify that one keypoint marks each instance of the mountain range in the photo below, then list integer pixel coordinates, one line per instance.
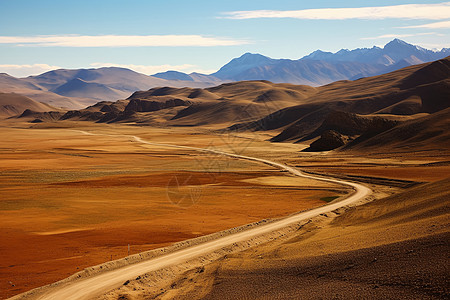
(79, 88)
(319, 67)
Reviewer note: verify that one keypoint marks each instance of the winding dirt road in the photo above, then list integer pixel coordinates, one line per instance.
(102, 283)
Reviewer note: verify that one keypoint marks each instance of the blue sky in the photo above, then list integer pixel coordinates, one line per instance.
(202, 35)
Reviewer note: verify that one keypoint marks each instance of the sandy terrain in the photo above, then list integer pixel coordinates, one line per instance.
(78, 201)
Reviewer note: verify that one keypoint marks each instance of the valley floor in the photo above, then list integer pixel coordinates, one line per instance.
(71, 200)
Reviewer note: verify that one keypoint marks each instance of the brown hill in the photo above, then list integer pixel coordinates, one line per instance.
(329, 140)
(138, 105)
(430, 132)
(339, 128)
(12, 104)
(407, 91)
(225, 104)
(38, 117)
(242, 101)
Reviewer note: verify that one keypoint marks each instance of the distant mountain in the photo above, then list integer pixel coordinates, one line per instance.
(242, 64)
(319, 67)
(258, 67)
(392, 53)
(309, 72)
(174, 75)
(104, 83)
(78, 88)
(196, 77)
(117, 78)
(9, 83)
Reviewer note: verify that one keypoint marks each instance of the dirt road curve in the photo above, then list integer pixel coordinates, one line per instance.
(101, 283)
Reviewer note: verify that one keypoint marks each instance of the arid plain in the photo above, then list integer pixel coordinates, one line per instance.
(71, 200)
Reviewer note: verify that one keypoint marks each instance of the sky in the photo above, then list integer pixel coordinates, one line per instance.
(151, 36)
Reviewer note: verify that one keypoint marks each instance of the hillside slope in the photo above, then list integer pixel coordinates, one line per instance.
(222, 105)
(12, 104)
(429, 132)
(80, 88)
(415, 90)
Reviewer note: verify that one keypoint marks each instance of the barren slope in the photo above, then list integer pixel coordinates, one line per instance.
(428, 132)
(12, 104)
(418, 89)
(224, 105)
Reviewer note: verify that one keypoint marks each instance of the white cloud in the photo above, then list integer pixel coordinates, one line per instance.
(149, 70)
(436, 25)
(407, 11)
(389, 36)
(119, 41)
(26, 70)
(436, 47)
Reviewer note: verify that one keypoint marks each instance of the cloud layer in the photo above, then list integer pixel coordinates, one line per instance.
(389, 36)
(408, 11)
(119, 41)
(26, 70)
(436, 25)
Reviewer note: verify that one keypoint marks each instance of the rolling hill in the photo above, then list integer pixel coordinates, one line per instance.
(349, 115)
(79, 88)
(415, 90)
(428, 132)
(221, 106)
(12, 104)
